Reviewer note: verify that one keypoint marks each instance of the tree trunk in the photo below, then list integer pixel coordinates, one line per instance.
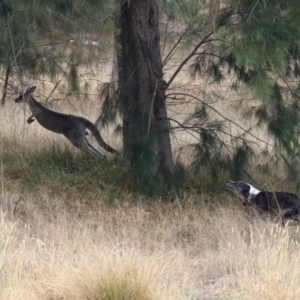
(146, 139)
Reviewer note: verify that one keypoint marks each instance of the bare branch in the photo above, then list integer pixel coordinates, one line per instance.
(56, 85)
(29, 61)
(195, 129)
(7, 73)
(172, 50)
(12, 47)
(203, 41)
(225, 118)
(151, 107)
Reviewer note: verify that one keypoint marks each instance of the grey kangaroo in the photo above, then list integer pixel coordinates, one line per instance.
(72, 127)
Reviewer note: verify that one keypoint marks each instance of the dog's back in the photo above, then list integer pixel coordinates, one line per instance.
(276, 203)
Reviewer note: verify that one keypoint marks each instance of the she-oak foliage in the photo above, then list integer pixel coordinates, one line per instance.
(256, 42)
(48, 39)
(262, 49)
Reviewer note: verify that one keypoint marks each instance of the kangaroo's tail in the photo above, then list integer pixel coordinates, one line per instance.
(95, 132)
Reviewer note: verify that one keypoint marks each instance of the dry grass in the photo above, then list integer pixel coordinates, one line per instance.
(147, 251)
(200, 247)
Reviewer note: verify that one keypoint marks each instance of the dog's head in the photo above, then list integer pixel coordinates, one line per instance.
(243, 189)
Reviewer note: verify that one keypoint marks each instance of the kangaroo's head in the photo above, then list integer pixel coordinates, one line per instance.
(26, 96)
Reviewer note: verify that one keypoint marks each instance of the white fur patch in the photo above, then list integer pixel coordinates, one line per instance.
(253, 191)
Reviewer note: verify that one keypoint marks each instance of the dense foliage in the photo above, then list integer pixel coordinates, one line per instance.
(254, 51)
(51, 40)
(260, 46)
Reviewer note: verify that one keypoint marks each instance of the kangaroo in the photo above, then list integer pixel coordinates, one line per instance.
(72, 127)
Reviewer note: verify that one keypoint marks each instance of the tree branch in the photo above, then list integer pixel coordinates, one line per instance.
(204, 40)
(172, 50)
(225, 118)
(7, 73)
(29, 61)
(56, 85)
(12, 46)
(151, 107)
(196, 128)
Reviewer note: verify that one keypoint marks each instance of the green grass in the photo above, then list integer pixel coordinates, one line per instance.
(60, 172)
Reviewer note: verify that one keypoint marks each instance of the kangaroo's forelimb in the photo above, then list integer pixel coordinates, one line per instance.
(35, 112)
(30, 120)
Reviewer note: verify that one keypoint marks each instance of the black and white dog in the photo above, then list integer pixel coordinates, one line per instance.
(280, 204)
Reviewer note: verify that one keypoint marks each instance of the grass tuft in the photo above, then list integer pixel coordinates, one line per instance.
(113, 276)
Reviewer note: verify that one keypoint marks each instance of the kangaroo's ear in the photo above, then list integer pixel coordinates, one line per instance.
(30, 90)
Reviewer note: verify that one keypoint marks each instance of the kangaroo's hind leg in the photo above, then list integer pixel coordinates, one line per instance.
(93, 149)
(78, 139)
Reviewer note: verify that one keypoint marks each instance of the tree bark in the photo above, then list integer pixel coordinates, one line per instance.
(146, 139)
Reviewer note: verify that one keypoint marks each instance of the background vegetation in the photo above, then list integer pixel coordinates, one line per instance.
(76, 227)
(243, 53)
